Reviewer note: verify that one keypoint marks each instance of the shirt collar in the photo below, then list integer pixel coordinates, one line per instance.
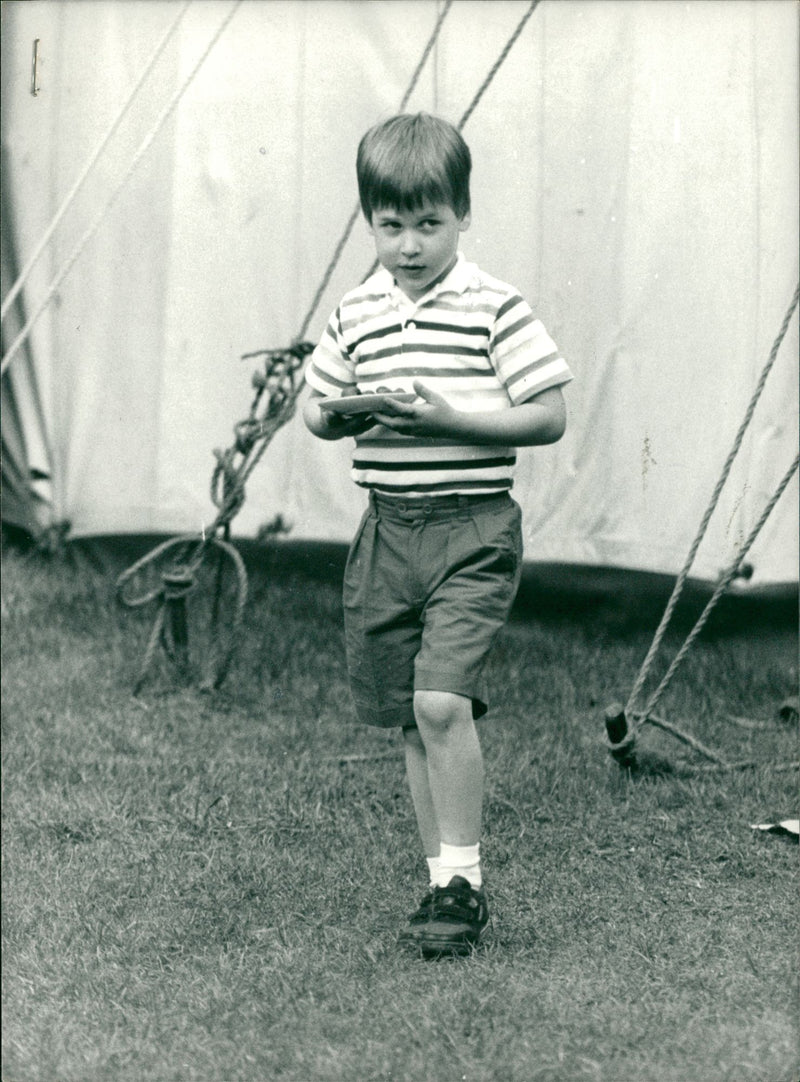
(457, 281)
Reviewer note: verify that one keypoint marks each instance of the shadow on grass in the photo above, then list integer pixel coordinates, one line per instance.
(615, 600)
(202, 887)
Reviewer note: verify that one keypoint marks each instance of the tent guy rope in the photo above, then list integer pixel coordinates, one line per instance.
(487, 81)
(281, 383)
(117, 191)
(351, 221)
(12, 294)
(622, 724)
(175, 564)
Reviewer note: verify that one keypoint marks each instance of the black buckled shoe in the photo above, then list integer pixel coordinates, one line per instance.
(449, 920)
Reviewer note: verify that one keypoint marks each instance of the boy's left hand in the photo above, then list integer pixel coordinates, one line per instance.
(430, 415)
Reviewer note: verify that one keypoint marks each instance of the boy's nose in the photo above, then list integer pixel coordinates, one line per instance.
(409, 244)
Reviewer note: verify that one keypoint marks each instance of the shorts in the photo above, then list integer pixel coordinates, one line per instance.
(429, 584)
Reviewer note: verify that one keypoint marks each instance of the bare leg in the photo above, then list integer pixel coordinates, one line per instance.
(417, 773)
(455, 765)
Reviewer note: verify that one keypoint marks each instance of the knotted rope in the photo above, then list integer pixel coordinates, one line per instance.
(622, 724)
(280, 383)
(276, 393)
(274, 402)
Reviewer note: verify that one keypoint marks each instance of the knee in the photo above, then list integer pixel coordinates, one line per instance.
(413, 739)
(437, 712)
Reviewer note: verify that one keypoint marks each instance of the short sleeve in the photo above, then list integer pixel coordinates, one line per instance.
(331, 370)
(524, 355)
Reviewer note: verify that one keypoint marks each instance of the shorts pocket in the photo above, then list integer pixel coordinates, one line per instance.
(501, 530)
(358, 560)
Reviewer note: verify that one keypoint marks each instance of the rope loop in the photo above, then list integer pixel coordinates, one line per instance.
(178, 581)
(126, 587)
(247, 433)
(276, 388)
(226, 492)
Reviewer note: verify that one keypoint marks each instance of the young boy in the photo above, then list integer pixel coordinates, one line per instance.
(435, 563)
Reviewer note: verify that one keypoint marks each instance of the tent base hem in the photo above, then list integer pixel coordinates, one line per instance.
(613, 598)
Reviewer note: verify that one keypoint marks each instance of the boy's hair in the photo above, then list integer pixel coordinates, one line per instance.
(410, 159)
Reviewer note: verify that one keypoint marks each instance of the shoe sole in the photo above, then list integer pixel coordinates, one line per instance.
(431, 948)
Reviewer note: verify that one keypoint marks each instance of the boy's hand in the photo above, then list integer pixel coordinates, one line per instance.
(430, 415)
(328, 425)
(343, 425)
(540, 420)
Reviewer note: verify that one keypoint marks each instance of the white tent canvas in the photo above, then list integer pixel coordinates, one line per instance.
(636, 175)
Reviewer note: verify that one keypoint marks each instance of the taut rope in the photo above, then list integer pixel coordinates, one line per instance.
(351, 221)
(95, 225)
(76, 187)
(281, 382)
(622, 724)
(479, 92)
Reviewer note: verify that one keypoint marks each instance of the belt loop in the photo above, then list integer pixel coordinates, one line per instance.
(463, 507)
(373, 500)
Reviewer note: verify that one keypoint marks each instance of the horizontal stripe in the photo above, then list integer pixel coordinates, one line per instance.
(507, 305)
(451, 349)
(379, 332)
(531, 369)
(472, 339)
(443, 487)
(413, 370)
(408, 443)
(456, 464)
(507, 332)
(426, 448)
(449, 328)
(330, 380)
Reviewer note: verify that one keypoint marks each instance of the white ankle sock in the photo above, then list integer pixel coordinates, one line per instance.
(459, 860)
(433, 869)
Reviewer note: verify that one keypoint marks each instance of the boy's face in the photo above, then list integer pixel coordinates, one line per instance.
(418, 247)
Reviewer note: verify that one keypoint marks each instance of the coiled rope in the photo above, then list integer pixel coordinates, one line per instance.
(274, 402)
(281, 384)
(622, 725)
(110, 202)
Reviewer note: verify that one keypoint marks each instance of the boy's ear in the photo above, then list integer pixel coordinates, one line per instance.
(464, 223)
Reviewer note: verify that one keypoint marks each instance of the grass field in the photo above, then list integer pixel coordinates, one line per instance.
(208, 887)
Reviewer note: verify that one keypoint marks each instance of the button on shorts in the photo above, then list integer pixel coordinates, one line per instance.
(427, 588)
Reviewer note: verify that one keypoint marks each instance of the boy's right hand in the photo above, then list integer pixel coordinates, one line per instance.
(343, 425)
(328, 425)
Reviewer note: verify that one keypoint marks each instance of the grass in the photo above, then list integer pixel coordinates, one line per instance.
(207, 887)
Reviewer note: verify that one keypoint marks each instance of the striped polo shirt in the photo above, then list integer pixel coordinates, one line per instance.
(472, 338)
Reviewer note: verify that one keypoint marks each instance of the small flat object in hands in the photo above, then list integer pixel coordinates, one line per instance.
(365, 403)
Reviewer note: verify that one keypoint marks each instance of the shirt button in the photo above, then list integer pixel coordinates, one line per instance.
(411, 324)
